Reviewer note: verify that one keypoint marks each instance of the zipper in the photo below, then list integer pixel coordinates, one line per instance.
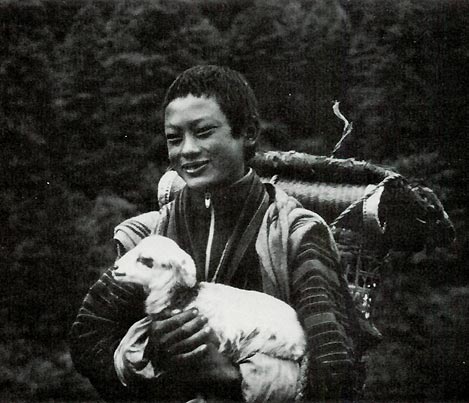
(211, 232)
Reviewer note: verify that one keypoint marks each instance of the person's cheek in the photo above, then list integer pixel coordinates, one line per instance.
(173, 156)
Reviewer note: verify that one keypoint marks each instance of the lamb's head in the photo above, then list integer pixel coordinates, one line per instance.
(157, 263)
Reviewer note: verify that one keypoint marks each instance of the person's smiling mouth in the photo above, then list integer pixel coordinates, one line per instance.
(194, 167)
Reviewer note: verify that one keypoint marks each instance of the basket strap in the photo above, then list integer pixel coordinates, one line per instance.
(371, 220)
(383, 183)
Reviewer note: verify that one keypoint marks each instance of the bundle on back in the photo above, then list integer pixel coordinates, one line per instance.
(370, 209)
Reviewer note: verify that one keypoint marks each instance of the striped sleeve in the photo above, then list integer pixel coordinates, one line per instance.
(321, 298)
(130, 232)
(107, 312)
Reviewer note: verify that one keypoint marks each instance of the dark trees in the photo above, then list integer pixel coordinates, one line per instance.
(81, 148)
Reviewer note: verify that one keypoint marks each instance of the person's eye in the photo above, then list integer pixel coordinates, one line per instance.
(173, 138)
(205, 131)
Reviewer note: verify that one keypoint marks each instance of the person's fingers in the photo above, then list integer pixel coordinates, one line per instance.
(203, 336)
(164, 314)
(184, 331)
(193, 356)
(159, 328)
(162, 327)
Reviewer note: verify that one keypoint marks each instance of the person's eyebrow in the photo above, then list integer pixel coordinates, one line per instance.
(205, 120)
(194, 123)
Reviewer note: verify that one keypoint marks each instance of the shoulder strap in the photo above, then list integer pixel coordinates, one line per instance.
(272, 246)
(162, 225)
(247, 236)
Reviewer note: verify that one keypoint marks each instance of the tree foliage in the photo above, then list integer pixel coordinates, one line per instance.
(81, 148)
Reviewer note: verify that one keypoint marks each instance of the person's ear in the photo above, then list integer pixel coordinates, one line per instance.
(251, 134)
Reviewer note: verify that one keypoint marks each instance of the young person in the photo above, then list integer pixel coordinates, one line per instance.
(240, 232)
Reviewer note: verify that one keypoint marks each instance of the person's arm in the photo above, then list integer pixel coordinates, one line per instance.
(178, 350)
(196, 365)
(321, 298)
(112, 312)
(107, 312)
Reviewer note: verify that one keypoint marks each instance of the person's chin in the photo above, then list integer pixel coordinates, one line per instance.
(198, 183)
(203, 181)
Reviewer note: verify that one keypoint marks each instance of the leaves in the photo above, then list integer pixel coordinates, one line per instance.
(81, 85)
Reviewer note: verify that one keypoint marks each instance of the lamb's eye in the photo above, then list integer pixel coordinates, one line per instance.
(165, 266)
(147, 261)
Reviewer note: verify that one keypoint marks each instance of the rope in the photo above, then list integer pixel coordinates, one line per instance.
(348, 127)
(384, 182)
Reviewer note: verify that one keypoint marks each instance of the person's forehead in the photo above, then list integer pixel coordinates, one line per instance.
(192, 107)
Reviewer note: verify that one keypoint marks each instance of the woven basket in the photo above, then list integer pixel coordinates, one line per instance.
(358, 195)
(371, 210)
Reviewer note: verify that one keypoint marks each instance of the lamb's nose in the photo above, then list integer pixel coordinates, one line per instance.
(115, 273)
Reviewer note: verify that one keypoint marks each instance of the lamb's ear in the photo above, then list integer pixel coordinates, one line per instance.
(187, 272)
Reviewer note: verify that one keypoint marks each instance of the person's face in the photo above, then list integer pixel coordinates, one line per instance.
(201, 147)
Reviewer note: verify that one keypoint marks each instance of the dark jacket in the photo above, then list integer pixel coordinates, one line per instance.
(298, 260)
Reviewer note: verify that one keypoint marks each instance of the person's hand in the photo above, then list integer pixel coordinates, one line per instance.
(214, 376)
(178, 338)
(215, 367)
(183, 343)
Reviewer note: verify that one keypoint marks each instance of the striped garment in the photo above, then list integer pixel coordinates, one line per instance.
(298, 259)
(301, 250)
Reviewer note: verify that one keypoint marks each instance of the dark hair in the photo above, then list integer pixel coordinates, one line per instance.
(230, 89)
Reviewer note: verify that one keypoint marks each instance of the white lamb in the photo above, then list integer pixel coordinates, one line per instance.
(245, 322)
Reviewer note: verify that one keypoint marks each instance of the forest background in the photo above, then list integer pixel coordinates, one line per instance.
(81, 149)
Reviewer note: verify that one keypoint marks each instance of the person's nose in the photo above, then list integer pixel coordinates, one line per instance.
(190, 146)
